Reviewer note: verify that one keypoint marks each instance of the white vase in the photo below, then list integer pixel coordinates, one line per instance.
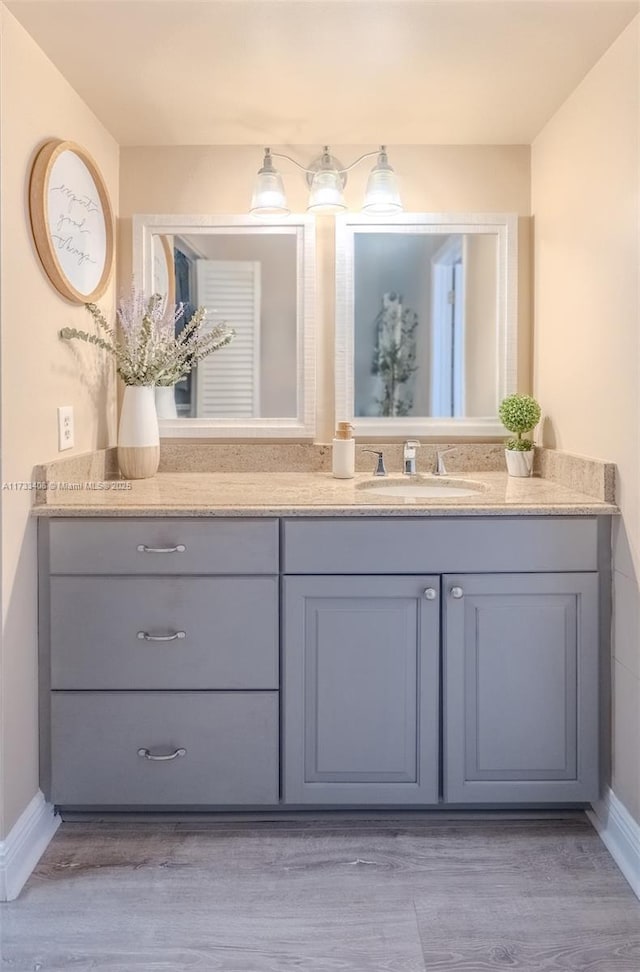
(138, 435)
(519, 463)
(166, 401)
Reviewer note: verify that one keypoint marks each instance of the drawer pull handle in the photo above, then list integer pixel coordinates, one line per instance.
(162, 758)
(457, 592)
(431, 594)
(176, 636)
(179, 548)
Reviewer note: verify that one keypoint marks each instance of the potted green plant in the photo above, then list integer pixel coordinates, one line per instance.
(148, 353)
(519, 414)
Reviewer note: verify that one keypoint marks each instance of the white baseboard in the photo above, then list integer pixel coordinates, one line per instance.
(620, 834)
(24, 846)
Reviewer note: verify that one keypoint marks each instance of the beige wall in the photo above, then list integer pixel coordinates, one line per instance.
(219, 179)
(585, 184)
(39, 373)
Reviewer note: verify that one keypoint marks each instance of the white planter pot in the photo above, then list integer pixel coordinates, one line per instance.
(519, 463)
(166, 402)
(138, 434)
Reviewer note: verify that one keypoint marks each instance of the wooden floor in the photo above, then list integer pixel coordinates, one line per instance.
(342, 894)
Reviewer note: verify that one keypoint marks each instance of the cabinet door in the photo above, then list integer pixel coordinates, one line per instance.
(520, 688)
(361, 690)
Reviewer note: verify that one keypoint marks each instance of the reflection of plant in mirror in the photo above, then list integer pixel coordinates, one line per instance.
(144, 343)
(519, 414)
(394, 357)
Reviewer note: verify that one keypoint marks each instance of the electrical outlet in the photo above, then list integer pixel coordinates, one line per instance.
(65, 427)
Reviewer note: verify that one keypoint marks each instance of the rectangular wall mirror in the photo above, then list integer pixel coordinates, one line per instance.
(260, 279)
(426, 322)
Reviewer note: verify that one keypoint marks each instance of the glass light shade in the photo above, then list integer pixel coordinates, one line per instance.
(268, 194)
(382, 196)
(325, 195)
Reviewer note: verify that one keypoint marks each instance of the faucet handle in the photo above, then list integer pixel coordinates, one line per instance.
(440, 466)
(410, 447)
(409, 457)
(379, 470)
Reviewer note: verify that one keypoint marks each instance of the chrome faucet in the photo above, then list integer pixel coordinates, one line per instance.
(440, 469)
(409, 457)
(379, 470)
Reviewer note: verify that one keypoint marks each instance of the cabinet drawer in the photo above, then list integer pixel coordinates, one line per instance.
(113, 632)
(163, 546)
(439, 545)
(230, 743)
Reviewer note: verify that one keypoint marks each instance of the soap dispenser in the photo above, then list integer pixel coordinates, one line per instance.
(344, 452)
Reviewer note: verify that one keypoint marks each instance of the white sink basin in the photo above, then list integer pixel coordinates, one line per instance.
(423, 488)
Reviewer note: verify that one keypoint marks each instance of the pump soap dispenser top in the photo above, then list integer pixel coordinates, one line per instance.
(344, 452)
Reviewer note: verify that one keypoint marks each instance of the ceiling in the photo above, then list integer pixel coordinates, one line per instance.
(287, 72)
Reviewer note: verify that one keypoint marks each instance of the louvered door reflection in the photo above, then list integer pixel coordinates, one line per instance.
(228, 382)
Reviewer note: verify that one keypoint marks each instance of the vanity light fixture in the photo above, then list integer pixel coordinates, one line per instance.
(326, 177)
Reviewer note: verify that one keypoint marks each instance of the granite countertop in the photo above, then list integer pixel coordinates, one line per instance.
(309, 494)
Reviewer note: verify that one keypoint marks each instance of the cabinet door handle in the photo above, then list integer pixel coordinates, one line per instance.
(176, 636)
(431, 593)
(457, 592)
(162, 758)
(179, 548)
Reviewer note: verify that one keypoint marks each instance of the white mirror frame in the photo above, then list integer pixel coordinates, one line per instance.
(505, 226)
(145, 226)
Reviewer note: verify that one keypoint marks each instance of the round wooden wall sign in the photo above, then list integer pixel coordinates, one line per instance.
(72, 221)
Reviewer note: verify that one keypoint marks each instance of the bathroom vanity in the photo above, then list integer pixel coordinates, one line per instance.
(268, 639)
(315, 652)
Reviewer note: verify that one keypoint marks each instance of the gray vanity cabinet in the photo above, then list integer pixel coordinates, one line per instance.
(523, 601)
(159, 662)
(361, 690)
(322, 661)
(520, 668)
